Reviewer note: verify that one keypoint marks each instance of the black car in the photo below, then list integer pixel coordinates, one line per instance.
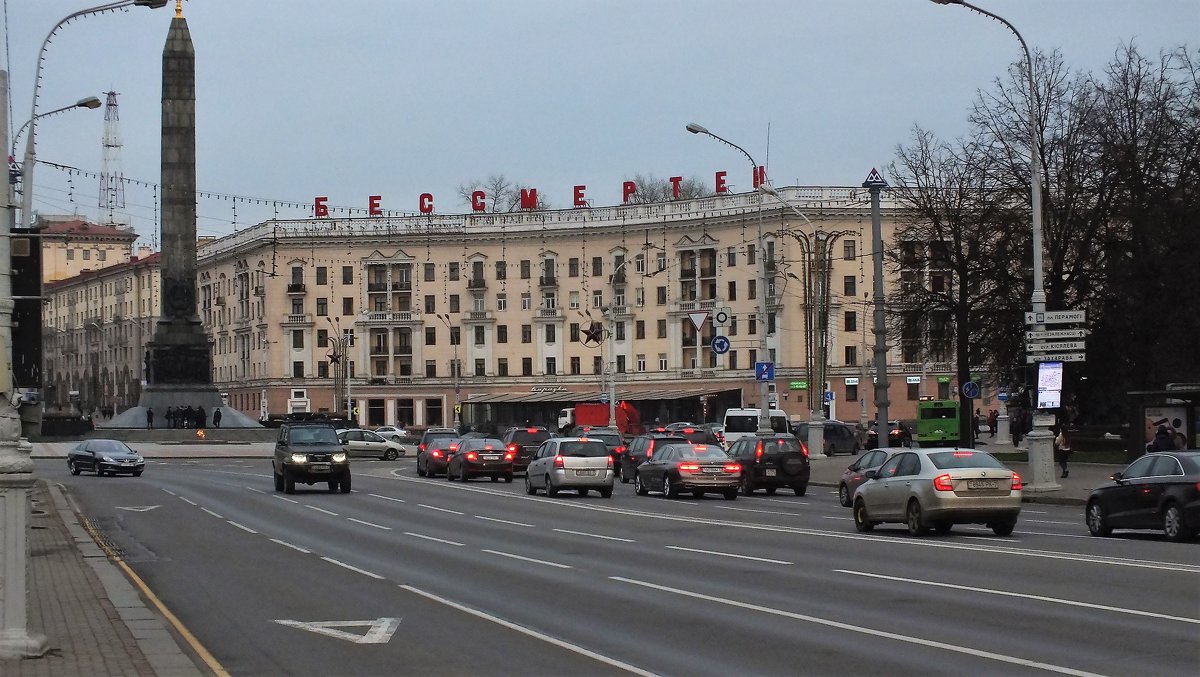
(772, 461)
(899, 435)
(1157, 491)
(309, 452)
(641, 448)
(523, 442)
(839, 438)
(433, 458)
(698, 468)
(611, 437)
(431, 434)
(105, 457)
(480, 456)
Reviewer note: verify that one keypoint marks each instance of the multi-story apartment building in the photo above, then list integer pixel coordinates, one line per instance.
(71, 245)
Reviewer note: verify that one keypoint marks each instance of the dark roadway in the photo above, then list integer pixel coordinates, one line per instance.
(483, 579)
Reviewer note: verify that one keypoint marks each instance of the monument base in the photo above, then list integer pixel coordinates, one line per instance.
(162, 395)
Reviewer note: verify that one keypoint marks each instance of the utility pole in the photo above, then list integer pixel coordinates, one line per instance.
(609, 328)
(875, 184)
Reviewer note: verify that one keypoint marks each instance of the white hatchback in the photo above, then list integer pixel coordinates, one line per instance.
(577, 463)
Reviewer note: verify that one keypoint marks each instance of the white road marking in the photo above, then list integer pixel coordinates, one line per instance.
(536, 634)
(187, 500)
(284, 498)
(432, 538)
(136, 508)
(764, 512)
(434, 507)
(1074, 524)
(257, 491)
(993, 539)
(170, 492)
(493, 519)
(832, 517)
(584, 533)
(1036, 512)
(1040, 598)
(327, 512)
(529, 559)
(289, 545)
(1014, 660)
(1022, 532)
(388, 498)
(380, 632)
(352, 568)
(728, 554)
(212, 513)
(370, 524)
(242, 527)
(779, 500)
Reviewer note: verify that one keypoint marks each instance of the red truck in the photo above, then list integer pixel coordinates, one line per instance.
(629, 422)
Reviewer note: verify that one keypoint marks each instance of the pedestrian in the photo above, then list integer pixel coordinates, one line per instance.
(149, 418)
(189, 416)
(975, 425)
(217, 417)
(1062, 449)
(993, 419)
(170, 416)
(201, 417)
(1163, 440)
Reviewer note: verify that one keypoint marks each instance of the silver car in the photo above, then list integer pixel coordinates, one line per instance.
(577, 463)
(368, 444)
(938, 488)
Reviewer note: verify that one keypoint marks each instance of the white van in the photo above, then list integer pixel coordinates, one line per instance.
(742, 422)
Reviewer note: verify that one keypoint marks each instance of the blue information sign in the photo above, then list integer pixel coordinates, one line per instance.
(720, 345)
(764, 371)
(970, 390)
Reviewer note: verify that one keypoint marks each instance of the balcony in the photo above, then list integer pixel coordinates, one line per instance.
(478, 316)
(296, 288)
(708, 271)
(298, 319)
(379, 349)
(377, 286)
(687, 273)
(389, 316)
(476, 283)
(403, 285)
(260, 290)
(617, 277)
(220, 301)
(403, 351)
(548, 314)
(622, 310)
(547, 281)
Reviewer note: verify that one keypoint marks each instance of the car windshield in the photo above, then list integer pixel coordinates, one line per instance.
(781, 445)
(110, 447)
(486, 443)
(442, 443)
(313, 435)
(705, 452)
(948, 460)
(430, 437)
(530, 436)
(611, 439)
(587, 447)
(741, 423)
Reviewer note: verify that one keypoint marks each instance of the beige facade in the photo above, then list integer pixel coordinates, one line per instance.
(71, 246)
(506, 296)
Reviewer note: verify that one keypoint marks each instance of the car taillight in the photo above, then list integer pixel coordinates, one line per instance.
(964, 454)
(943, 483)
(804, 449)
(689, 467)
(610, 462)
(700, 447)
(688, 431)
(758, 452)
(512, 448)
(619, 450)
(487, 447)
(1016, 485)
(453, 447)
(508, 456)
(471, 456)
(531, 430)
(732, 467)
(421, 447)
(558, 461)
(435, 453)
(650, 449)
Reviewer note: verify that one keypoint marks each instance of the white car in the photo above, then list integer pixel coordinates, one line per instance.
(365, 443)
(575, 463)
(392, 432)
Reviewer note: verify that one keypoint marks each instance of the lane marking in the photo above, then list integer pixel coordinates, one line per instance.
(327, 512)
(1073, 524)
(187, 500)
(284, 498)
(584, 533)
(1036, 512)
(993, 539)
(432, 538)
(529, 559)
(1040, 598)
(764, 512)
(242, 527)
(728, 554)
(832, 517)
(388, 498)
(778, 500)
(212, 513)
(370, 524)
(289, 545)
(1014, 660)
(494, 519)
(536, 634)
(352, 568)
(1029, 533)
(257, 491)
(170, 492)
(380, 632)
(434, 507)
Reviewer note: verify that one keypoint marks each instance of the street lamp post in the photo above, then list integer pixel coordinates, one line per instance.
(455, 368)
(1040, 438)
(764, 410)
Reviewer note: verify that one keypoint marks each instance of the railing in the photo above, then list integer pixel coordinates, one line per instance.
(548, 312)
(393, 316)
(617, 277)
(547, 281)
(296, 288)
(708, 271)
(377, 286)
(379, 350)
(220, 301)
(476, 283)
(478, 315)
(403, 350)
(687, 273)
(620, 310)
(298, 318)
(404, 285)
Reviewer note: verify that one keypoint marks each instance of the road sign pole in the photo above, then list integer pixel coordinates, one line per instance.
(875, 184)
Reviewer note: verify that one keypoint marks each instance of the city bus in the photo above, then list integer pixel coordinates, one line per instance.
(937, 423)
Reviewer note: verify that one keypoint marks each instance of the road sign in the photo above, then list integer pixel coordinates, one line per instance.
(828, 396)
(970, 390)
(603, 398)
(764, 371)
(1055, 335)
(1002, 396)
(874, 180)
(698, 319)
(1054, 346)
(1054, 357)
(721, 317)
(457, 409)
(1056, 317)
(720, 345)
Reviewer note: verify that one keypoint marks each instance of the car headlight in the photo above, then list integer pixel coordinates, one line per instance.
(339, 457)
(299, 458)
(107, 459)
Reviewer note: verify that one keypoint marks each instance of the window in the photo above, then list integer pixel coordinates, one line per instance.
(526, 366)
(70, 254)
(87, 254)
(322, 275)
(575, 366)
(551, 366)
(597, 266)
(848, 253)
(620, 331)
(573, 300)
(454, 270)
(914, 391)
(770, 324)
(639, 329)
(455, 336)
(731, 257)
(526, 301)
(849, 285)
(431, 336)
(550, 300)
(479, 335)
(480, 369)
(661, 261)
(661, 296)
(297, 306)
(430, 304)
(639, 296)
(851, 320)
(501, 270)
(101, 255)
(429, 272)
(550, 336)
(620, 364)
(502, 366)
(430, 369)
(502, 333)
(297, 370)
(297, 273)
(573, 267)
(852, 393)
(322, 369)
(478, 304)
(297, 339)
(662, 329)
(752, 289)
(597, 364)
(662, 361)
(732, 360)
(639, 263)
(753, 328)
(322, 307)
(347, 305)
(454, 307)
(501, 302)
(526, 333)
(524, 269)
(347, 274)
(750, 254)
(641, 362)
(597, 298)
(322, 338)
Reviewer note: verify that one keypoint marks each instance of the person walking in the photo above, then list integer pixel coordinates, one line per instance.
(149, 418)
(217, 417)
(201, 417)
(1062, 449)
(170, 416)
(189, 417)
(993, 419)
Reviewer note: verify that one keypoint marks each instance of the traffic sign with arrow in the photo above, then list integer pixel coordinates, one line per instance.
(1055, 334)
(1056, 317)
(1054, 357)
(1055, 346)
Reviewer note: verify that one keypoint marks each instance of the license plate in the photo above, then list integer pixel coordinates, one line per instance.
(983, 484)
(712, 471)
(319, 467)
(769, 472)
(585, 473)
(491, 457)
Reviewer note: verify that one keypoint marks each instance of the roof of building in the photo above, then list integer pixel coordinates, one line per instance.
(116, 268)
(81, 227)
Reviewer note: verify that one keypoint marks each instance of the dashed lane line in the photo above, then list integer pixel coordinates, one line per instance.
(293, 547)
(434, 507)
(187, 500)
(370, 524)
(584, 533)
(388, 498)
(496, 519)
(242, 527)
(327, 512)
(353, 568)
(285, 498)
(433, 538)
(529, 559)
(211, 513)
(729, 554)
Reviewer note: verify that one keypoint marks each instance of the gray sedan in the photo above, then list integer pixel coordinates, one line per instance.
(939, 487)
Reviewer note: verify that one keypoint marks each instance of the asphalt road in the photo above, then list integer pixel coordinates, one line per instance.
(482, 579)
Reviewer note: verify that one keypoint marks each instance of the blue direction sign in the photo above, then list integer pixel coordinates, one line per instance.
(603, 398)
(970, 390)
(1002, 395)
(764, 371)
(720, 345)
(828, 396)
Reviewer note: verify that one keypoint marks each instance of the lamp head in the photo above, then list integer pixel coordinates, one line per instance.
(948, 2)
(696, 129)
(152, 4)
(91, 103)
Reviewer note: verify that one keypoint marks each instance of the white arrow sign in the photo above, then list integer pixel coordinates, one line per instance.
(1056, 346)
(136, 508)
(1055, 334)
(1055, 317)
(1054, 357)
(380, 632)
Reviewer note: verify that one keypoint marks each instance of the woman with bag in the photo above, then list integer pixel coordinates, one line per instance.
(1062, 450)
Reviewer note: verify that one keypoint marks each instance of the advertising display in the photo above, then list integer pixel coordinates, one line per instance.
(1049, 385)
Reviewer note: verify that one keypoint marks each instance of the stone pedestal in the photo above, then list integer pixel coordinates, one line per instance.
(16, 481)
(1003, 437)
(1040, 442)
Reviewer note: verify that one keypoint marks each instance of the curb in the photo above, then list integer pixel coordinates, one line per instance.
(153, 637)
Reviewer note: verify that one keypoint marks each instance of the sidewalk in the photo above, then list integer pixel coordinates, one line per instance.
(96, 622)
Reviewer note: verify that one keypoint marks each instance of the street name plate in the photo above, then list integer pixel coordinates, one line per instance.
(1055, 335)
(1055, 346)
(1055, 317)
(1054, 357)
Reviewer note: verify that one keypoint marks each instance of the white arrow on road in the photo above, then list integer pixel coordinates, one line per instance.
(137, 508)
(380, 632)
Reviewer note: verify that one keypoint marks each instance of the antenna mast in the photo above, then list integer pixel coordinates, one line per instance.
(112, 177)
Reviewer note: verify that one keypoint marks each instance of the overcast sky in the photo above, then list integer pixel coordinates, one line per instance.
(350, 98)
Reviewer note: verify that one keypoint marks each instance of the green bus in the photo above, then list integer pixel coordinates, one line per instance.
(937, 423)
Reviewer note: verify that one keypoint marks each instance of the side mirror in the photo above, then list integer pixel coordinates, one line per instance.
(1116, 477)
(345, 443)
(871, 474)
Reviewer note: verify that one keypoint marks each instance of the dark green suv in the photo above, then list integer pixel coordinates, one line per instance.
(310, 452)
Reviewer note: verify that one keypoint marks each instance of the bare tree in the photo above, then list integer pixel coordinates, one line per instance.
(500, 194)
(650, 189)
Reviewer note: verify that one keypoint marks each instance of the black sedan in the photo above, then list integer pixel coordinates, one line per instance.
(1157, 491)
(105, 457)
(480, 456)
(434, 455)
(899, 435)
(698, 468)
